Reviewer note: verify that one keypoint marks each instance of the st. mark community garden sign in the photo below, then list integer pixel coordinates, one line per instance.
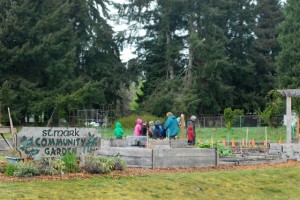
(56, 141)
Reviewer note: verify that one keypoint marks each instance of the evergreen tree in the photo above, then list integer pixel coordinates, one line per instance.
(266, 46)
(240, 21)
(57, 54)
(289, 57)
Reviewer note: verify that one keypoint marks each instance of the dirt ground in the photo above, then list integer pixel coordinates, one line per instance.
(142, 172)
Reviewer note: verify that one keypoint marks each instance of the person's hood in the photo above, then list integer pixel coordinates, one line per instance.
(173, 117)
(139, 121)
(118, 125)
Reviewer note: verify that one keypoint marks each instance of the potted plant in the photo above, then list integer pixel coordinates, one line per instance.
(14, 156)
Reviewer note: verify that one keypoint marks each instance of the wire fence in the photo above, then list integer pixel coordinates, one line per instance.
(239, 121)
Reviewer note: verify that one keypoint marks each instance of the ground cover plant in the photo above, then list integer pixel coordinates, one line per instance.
(280, 182)
(59, 166)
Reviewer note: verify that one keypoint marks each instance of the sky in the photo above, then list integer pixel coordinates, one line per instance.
(128, 52)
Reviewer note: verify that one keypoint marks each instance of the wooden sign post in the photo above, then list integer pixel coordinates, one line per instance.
(182, 125)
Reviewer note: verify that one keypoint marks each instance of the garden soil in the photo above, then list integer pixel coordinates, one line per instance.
(143, 172)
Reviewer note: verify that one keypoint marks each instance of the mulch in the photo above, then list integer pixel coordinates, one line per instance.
(143, 172)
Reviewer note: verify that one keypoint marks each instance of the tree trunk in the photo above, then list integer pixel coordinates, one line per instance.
(170, 67)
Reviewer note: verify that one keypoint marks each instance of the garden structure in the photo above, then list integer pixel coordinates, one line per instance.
(289, 93)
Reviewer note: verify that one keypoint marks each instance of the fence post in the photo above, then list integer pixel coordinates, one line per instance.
(240, 121)
(221, 117)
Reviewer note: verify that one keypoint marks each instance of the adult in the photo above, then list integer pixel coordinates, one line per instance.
(171, 126)
(191, 122)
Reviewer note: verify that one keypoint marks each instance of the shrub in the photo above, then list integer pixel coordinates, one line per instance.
(71, 164)
(9, 170)
(98, 165)
(25, 169)
(130, 121)
(119, 164)
(2, 169)
(52, 166)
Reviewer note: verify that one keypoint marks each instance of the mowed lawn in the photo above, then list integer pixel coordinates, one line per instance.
(279, 183)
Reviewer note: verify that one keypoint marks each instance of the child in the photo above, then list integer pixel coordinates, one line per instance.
(156, 131)
(144, 128)
(161, 129)
(151, 128)
(138, 128)
(190, 134)
(118, 130)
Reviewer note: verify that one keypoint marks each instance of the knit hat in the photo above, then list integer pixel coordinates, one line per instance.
(193, 118)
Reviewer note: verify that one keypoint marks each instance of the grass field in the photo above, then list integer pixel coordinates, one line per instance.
(258, 133)
(279, 183)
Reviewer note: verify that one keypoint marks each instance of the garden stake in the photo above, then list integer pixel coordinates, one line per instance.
(224, 142)
(265, 143)
(232, 143)
(243, 142)
(280, 141)
(247, 136)
(253, 142)
(200, 140)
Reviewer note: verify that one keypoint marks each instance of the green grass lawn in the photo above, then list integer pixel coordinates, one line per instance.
(258, 133)
(279, 183)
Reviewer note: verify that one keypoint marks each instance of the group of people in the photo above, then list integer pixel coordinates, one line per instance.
(154, 130)
(160, 130)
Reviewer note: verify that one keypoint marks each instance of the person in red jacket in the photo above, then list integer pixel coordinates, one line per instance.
(190, 134)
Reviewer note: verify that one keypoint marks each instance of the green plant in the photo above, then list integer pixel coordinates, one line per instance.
(224, 150)
(119, 164)
(265, 115)
(274, 106)
(25, 169)
(204, 144)
(130, 121)
(52, 166)
(71, 164)
(2, 169)
(9, 170)
(230, 116)
(100, 165)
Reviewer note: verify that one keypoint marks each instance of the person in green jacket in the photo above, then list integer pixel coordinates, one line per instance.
(118, 130)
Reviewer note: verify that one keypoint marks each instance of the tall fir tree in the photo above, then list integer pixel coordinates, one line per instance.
(57, 54)
(288, 60)
(266, 46)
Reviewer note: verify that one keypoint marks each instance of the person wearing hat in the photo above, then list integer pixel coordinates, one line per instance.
(191, 123)
(171, 126)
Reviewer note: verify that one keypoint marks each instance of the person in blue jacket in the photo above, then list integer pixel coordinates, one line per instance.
(171, 126)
